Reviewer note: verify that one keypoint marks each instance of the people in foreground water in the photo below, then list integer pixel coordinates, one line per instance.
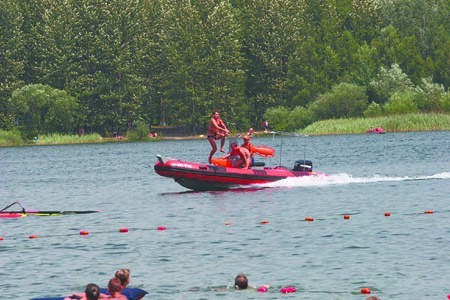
(242, 153)
(92, 292)
(124, 276)
(217, 130)
(115, 290)
(131, 293)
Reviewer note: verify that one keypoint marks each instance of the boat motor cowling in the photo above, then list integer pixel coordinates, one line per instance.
(303, 165)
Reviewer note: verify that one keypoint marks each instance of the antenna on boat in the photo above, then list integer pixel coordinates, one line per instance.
(288, 134)
(281, 149)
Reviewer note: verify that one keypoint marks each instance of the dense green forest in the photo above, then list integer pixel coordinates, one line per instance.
(110, 65)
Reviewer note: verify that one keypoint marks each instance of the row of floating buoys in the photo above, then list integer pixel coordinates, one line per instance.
(346, 217)
(293, 289)
(85, 232)
(227, 223)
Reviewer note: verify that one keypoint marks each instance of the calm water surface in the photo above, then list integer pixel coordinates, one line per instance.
(212, 236)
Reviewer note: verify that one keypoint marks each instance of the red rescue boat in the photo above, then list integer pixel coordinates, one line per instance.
(206, 177)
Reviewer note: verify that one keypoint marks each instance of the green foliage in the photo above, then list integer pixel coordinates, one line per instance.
(445, 102)
(139, 131)
(401, 102)
(12, 50)
(278, 118)
(299, 118)
(429, 95)
(272, 31)
(42, 109)
(373, 110)
(365, 66)
(173, 62)
(344, 100)
(388, 82)
(6, 121)
(10, 138)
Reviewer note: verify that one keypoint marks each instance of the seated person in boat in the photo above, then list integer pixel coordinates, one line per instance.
(249, 146)
(242, 153)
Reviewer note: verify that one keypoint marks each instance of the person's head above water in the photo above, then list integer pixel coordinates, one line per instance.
(124, 276)
(92, 291)
(240, 282)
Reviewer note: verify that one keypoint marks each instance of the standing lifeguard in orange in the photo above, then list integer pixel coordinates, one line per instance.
(217, 130)
(242, 153)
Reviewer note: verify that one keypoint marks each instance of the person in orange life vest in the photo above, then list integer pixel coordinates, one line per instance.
(242, 152)
(217, 130)
(249, 146)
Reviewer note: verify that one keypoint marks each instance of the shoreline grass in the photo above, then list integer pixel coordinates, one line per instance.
(63, 139)
(394, 123)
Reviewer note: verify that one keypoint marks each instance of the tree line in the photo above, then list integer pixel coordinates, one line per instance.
(109, 66)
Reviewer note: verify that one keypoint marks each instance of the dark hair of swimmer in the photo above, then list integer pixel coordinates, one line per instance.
(92, 291)
(240, 282)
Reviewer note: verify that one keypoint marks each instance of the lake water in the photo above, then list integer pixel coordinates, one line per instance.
(212, 236)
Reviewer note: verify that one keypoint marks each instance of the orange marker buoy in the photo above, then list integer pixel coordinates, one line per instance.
(1, 238)
(346, 217)
(264, 222)
(123, 230)
(428, 212)
(309, 219)
(365, 290)
(161, 228)
(33, 236)
(84, 232)
(387, 214)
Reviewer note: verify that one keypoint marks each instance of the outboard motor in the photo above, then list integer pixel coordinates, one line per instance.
(303, 165)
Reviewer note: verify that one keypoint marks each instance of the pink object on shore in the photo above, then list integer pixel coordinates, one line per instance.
(376, 130)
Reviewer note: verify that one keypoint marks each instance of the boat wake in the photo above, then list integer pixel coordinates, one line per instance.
(343, 178)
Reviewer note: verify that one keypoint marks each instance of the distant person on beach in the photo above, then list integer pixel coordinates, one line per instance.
(242, 153)
(217, 130)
